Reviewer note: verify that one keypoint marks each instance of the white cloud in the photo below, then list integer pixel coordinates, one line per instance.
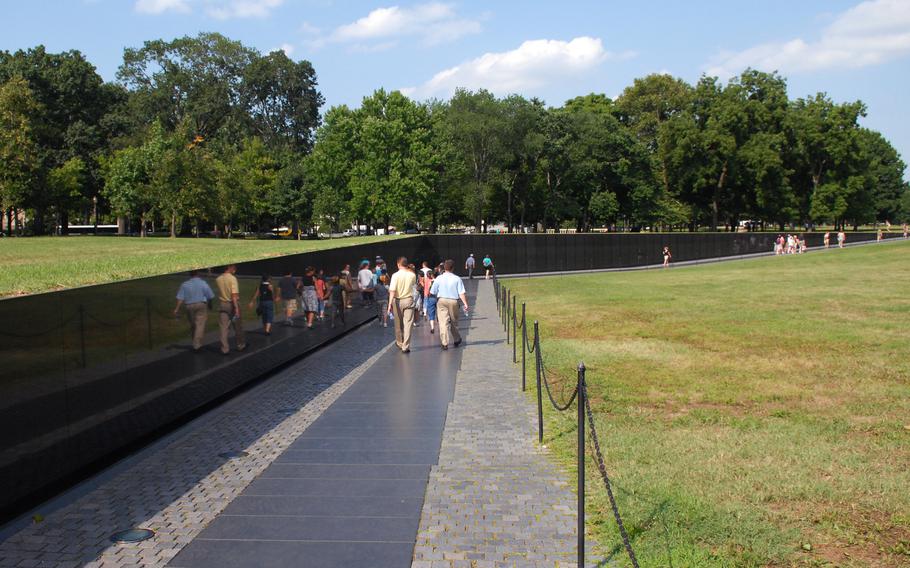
(870, 33)
(433, 23)
(287, 48)
(218, 9)
(533, 64)
(242, 8)
(161, 6)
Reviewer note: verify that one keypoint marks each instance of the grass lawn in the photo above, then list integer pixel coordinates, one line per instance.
(752, 413)
(40, 264)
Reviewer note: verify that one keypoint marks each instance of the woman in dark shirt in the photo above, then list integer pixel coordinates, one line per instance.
(266, 297)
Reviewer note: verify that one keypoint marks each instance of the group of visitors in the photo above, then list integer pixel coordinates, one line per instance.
(405, 297)
(792, 244)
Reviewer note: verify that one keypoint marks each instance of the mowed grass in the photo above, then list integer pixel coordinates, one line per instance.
(40, 264)
(752, 413)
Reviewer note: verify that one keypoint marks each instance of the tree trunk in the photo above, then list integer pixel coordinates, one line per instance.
(716, 199)
(142, 232)
(173, 224)
(9, 222)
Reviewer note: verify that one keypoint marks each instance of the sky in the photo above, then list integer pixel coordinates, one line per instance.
(552, 50)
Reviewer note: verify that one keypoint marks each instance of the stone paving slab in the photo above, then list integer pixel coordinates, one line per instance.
(495, 499)
(179, 486)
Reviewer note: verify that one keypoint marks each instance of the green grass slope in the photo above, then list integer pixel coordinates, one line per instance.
(753, 413)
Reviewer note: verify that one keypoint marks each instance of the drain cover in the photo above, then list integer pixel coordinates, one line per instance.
(288, 411)
(132, 535)
(234, 454)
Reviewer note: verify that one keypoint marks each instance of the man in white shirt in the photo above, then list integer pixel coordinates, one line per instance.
(365, 280)
(449, 288)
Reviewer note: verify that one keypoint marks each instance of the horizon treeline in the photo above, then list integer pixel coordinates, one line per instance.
(204, 133)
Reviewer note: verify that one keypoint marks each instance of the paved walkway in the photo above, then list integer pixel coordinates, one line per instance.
(494, 499)
(355, 454)
(348, 492)
(180, 484)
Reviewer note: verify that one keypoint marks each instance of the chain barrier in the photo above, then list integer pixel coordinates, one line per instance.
(103, 323)
(580, 397)
(602, 468)
(57, 327)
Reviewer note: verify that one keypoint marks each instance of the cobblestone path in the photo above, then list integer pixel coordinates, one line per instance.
(494, 499)
(180, 484)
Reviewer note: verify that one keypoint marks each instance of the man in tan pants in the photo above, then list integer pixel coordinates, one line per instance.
(195, 294)
(448, 288)
(401, 303)
(229, 309)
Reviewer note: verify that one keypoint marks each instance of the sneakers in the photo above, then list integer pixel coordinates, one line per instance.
(445, 347)
(457, 343)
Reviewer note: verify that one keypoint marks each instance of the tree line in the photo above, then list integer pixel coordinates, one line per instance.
(203, 133)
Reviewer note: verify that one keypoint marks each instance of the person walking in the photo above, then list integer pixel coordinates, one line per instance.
(195, 294)
(336, 300)
(841, 238)
(488, 265)
(448, 289)
(667, 257)
(266, 308)
(347, 284)
(365, 281)
(401, 300)
(469, 266)
(827, 239)
(229, 315)
(381, 296)
(287, 293)
(310, 301)
(322, 293)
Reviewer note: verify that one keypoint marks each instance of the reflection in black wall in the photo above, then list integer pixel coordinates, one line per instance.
(86, 371)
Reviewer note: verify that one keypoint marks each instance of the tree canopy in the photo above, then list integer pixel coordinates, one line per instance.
(206, 134)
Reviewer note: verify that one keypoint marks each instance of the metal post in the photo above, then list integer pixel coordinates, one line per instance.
(539, 392)
(514, 330)
(508, 306)
(581, 464)
(524, 346)
(82, 333)
(148, 319)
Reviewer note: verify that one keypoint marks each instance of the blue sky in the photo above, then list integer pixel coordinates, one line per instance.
(553, 50)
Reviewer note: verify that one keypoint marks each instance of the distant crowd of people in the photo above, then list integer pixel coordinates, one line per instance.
(403, 298)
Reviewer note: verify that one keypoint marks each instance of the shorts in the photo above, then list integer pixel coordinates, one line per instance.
(382, 307)
(431, 308)
(290, 305)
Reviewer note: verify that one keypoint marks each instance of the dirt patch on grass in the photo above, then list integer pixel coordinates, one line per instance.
(842, 535)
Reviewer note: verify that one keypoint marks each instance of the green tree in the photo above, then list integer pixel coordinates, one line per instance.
(281, 101)
(19, 151)
(75, 103)
(329, 168)
(474, 126)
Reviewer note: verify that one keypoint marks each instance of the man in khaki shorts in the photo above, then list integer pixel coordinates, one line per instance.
(448, 289)
(195, 295)
(229, 309)
(401, 303)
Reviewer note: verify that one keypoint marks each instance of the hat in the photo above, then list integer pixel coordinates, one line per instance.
(472, 254)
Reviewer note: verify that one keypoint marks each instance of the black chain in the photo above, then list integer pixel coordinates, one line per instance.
(61, 325)
(546, 383)
(601, 466)
(118, 324)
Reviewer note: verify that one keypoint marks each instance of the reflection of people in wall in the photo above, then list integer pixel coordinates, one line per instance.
(229, 309)
(195, 295)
